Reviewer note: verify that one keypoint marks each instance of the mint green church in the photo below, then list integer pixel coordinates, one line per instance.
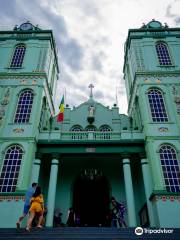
(95, 153)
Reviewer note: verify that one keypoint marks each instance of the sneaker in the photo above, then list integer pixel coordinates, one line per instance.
(27, 229)
(17, 225)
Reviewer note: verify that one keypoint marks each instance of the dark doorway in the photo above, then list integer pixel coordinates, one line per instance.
(91, 200)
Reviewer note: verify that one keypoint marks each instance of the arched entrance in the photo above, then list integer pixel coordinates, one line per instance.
(91, 198)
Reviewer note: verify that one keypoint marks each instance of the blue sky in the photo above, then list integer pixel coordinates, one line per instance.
(90, 36)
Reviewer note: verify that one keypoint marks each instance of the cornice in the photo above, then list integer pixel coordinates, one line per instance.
(167, 73)
(5, 75)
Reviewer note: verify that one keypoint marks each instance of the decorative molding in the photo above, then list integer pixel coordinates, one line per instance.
(139, 57)
(34, 74)
(147, 80)
(2, 113)
(12, 198)
(165, 198)
(4, 104)
(5, 100)
(174, 90)
(165, 74)
(34, 82)
(163, 129)
(23, 81)
(158, 81)
(18, 130)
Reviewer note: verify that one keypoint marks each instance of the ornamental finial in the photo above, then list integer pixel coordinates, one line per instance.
(91, 86)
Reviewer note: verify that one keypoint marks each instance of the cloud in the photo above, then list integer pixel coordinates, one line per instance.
(172, 11)
(90, 37)
(72, 53)
(98, 95)
(97, 63)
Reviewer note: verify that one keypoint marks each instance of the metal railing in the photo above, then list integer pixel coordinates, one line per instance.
(90, 135)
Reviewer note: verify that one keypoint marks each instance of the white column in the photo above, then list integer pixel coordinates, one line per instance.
(148, 189)
(129, 193)
(52, 192)
(35, 170)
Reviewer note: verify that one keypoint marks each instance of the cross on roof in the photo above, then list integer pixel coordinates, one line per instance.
(91, 86)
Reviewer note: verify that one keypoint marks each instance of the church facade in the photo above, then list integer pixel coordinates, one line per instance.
(95, 152)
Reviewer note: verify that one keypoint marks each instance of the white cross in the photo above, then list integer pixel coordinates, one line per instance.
(91, 86)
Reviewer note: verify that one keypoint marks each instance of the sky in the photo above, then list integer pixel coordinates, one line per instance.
(90, 37)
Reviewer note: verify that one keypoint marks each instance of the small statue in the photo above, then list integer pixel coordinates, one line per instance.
(91, 111)
(5, 101)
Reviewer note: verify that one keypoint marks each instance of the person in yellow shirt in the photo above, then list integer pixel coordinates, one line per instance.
(37, 207)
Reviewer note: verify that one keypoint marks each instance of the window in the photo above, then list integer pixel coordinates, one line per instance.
(77, 132)
(105, 128)
(105, 132)
(163, 54)
(24, 107)
(157, 106)
(10, 170)
(76, 128)
(170, 167)
(18, 56)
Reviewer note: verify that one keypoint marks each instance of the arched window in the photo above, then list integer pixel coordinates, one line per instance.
(18, 56)
(105, 128)
(170, 167)
(10, 169)
(105, 132)
(24, 106)
(157, 106)
(163, 54)
(77, 132)
(76, 128)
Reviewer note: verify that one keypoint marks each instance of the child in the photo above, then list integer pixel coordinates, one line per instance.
(37, 207)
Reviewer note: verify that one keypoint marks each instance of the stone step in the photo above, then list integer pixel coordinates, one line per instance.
(68, 233)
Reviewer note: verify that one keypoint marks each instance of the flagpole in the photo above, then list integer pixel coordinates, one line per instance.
(64, 96)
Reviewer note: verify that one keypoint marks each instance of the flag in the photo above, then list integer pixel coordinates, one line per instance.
(60, 116)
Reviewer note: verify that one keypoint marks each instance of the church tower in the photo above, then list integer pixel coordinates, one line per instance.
(152, 77)
(28, 75)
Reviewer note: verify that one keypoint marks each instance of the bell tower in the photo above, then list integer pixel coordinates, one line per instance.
(152, 77)
(28, 75)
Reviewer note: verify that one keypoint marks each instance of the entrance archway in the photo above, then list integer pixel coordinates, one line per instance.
(91, 200)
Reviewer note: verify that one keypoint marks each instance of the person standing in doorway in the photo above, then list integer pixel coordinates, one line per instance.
(28, 197)
(71, 218)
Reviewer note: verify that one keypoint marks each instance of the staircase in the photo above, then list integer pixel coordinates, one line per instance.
(82, 233)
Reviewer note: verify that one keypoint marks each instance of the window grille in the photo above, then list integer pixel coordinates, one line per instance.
(10, 169)
(163, 54)
(157, 106)
(77, 132)
(18, 56)
(170, 167)
(24, 107)
(105, 132)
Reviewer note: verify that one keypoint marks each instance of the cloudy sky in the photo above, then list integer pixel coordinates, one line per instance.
(90, 36)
